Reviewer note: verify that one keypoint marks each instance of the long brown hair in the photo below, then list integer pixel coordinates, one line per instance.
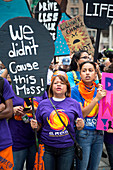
(65, 81)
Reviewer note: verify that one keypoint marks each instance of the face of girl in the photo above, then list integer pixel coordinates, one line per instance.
(59, 88)
(88, 74)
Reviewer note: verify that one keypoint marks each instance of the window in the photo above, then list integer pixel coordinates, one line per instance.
(74, 1)
(89, 32)
(76, 11)
(72, 11)
(93, 33)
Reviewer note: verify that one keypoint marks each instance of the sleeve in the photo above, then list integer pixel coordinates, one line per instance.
(79, 111)
(38, 114)
(71, 79)
(75, 94)
(7, 91)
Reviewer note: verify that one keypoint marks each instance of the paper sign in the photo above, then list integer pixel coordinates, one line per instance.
(26, 49)
(105, 116)
(76, 35)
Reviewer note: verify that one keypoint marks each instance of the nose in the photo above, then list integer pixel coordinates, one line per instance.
(87, 72)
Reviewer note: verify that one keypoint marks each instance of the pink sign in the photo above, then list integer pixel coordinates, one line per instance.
(105, 117)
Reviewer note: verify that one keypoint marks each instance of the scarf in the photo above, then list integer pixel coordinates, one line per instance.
(87, 92)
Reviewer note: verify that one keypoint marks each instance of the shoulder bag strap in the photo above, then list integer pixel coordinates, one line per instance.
(63, 123)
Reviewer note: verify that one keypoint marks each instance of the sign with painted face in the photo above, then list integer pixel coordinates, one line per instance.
(26, 49)
(76, 35)
(98, 13)
(105, 117)
(48, 13)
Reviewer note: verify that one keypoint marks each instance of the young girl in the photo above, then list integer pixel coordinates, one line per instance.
(59, 146)
(88, 96)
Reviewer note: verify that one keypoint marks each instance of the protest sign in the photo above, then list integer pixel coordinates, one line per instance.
(26, 49)
(48, 13)
(98, 13)
(105, 117)
(76, 35)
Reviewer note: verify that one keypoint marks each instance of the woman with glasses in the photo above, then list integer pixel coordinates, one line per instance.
(74, 71)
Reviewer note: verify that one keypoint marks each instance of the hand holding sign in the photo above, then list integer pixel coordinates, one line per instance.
(26, 49)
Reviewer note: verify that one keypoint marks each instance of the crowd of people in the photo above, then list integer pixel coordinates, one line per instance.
(73, 93)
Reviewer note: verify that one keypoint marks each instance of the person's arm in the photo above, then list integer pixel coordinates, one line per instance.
(8, 111)
(86, 110)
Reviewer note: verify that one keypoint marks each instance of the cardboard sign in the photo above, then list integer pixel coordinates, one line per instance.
(26, 49)
(48, 13)
(98, 13)
(76, 35)
(105, 117)
(12, 9)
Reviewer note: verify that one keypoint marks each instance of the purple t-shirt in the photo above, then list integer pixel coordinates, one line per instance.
(5, 135)
(53, 133)
(22, 133)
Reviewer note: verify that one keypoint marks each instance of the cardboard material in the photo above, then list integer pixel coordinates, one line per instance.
(26, 49)
(76, 35)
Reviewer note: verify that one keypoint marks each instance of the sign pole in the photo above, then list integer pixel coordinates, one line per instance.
(33, 113)
(97, 44)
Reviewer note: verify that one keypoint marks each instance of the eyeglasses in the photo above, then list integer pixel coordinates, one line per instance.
(86, 57)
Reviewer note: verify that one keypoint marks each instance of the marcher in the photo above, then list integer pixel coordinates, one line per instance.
(22, 134)
(74, 71)
(59, 146)
(65, 64)
(90, 139)
(6, 111)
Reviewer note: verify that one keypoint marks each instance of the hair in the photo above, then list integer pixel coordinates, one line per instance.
(75, 58)
(90, 62)
(65, 81)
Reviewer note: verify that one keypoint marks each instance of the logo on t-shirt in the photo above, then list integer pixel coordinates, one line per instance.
(55, 122)
(94, 111)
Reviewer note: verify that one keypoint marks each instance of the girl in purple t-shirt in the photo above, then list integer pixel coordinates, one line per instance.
(59, 146)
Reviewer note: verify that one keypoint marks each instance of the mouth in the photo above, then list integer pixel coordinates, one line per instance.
(87, 77)
(58, 89)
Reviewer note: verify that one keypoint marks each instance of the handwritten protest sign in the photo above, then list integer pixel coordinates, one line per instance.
(76, 35)
(48, 13)
(98, 13)
(26, 49)
(105, 117)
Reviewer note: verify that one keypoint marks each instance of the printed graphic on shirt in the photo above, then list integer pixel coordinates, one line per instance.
(55, 122)
(94, 111)
(91, 119)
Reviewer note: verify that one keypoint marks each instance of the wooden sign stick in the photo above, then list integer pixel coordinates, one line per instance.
(33, 113)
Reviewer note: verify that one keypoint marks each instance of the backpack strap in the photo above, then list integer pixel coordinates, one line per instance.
(75, 77)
